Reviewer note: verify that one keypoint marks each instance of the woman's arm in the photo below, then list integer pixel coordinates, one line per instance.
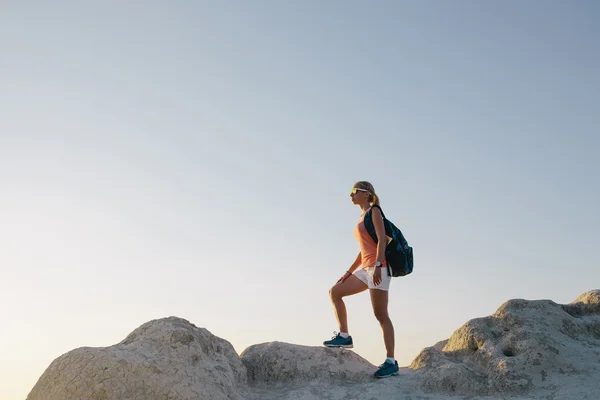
(352, 268)
(356, 263)
(380, 231)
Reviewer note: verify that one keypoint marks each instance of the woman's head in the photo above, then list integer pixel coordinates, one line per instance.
(364, 191)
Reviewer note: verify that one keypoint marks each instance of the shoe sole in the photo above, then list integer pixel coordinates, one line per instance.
(346, 346)
(387, 376)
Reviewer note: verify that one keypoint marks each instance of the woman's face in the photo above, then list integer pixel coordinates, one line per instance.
(358, 195)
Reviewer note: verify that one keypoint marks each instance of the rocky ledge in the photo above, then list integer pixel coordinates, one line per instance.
(526, 349)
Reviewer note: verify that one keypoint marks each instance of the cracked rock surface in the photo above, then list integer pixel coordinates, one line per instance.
(525, 345)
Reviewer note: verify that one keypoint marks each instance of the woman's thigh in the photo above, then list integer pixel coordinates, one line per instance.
(352, 285)
(379, 300)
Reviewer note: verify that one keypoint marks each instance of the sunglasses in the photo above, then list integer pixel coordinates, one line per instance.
(354, 190)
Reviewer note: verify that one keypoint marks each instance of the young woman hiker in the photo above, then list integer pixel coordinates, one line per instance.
(367, 272)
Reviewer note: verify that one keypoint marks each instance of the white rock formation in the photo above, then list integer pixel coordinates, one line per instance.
(524, 346)
(525, 350)
(277, 363)
(591, 297)
(162, 359)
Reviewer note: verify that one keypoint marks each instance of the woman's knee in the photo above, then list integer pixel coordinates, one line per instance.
(382, 317)
(334, 294)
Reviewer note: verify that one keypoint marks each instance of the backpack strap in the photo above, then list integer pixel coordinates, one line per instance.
(370, 226)
(368, 221)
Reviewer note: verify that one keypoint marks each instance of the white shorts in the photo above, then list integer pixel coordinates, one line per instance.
(366, 276)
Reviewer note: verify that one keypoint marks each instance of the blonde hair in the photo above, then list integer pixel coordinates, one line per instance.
(373, 198)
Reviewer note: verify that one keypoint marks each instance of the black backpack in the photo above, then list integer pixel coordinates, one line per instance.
(398, 254)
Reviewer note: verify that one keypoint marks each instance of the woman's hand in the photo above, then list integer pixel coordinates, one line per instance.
(377, 276)
(344, 277)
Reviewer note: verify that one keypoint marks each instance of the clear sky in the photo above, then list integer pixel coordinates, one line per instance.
(195, 159)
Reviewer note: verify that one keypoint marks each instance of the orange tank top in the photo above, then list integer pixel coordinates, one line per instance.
(368, 247)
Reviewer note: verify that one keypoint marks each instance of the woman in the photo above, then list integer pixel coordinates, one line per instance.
(367, 272)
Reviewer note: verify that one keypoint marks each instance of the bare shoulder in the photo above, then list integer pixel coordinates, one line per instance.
(376, 211)
(377, 215)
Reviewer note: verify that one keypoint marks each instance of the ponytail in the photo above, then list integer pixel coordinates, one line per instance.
(373, 198)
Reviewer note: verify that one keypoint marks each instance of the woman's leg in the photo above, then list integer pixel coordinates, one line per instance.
(350, 286)
(379, 299)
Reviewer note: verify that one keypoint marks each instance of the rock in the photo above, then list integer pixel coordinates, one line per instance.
(515, 350)
(591, 297)
(277, 363)
(586, 304)
(168, 358)
(527, 349)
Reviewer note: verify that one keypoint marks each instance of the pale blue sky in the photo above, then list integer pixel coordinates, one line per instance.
(194, 159)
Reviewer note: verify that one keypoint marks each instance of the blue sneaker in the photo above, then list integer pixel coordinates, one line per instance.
(387, 369)
(339, 341)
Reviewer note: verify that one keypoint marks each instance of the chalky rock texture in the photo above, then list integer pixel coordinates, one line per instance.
(278, 363)
(527, 349)
(168, 358)
(524, 345)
